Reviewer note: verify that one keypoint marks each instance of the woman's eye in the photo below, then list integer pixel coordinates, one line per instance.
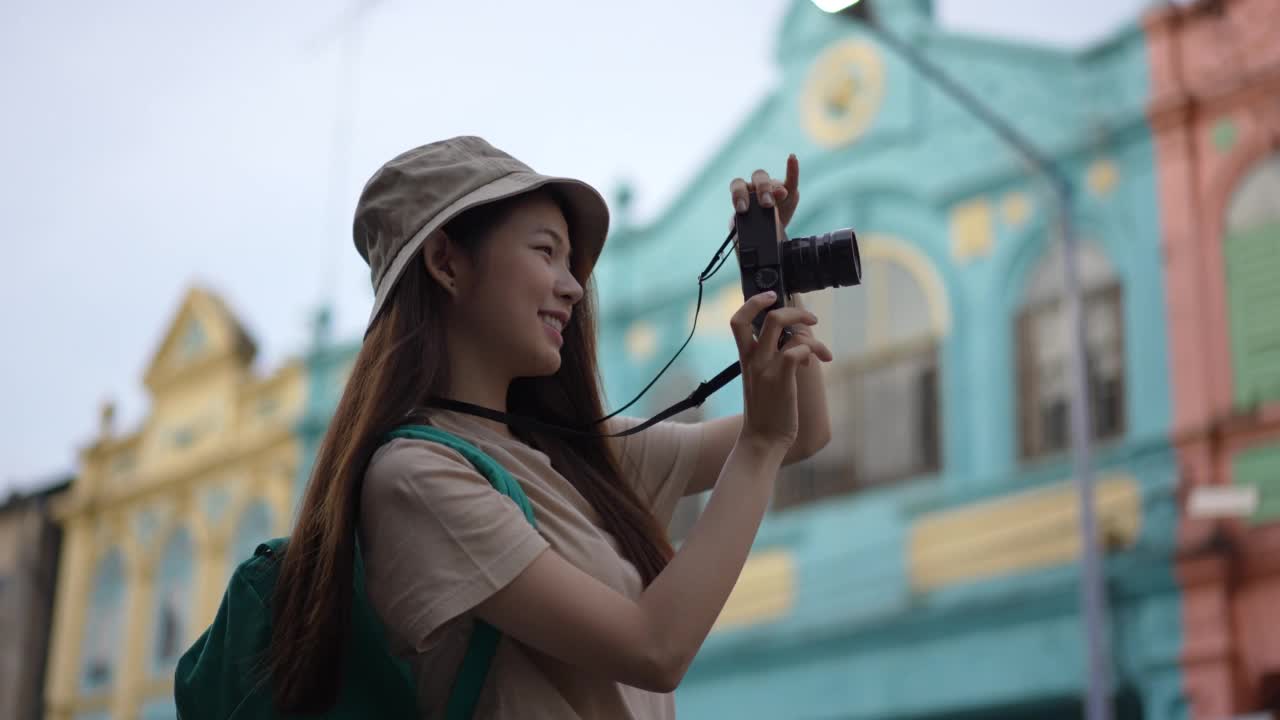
(547, 249)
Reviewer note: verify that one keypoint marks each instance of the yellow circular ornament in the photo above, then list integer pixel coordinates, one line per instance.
(844, 90)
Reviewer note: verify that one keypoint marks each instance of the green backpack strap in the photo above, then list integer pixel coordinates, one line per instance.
(484, 637)
(222, 676)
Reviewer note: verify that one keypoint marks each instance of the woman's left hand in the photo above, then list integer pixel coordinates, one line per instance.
(770, 192)
(803, 334)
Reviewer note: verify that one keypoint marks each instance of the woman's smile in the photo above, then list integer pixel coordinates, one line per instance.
(554, 324)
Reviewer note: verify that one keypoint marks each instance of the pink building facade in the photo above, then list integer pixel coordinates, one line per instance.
(1215, 115)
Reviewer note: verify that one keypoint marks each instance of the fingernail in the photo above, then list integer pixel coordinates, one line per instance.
(741, 205)
(766, 199)
(770, 295)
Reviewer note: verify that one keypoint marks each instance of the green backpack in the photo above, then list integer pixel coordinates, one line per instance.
(222, 675)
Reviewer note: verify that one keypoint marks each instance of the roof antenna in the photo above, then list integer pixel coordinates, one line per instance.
(347, 30)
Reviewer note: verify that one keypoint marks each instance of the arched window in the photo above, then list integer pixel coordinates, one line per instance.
(102, 629)
(1252, 248)
(173, 602)
(194, 339)
(1044, 371)
(253, 528)
(883, 386)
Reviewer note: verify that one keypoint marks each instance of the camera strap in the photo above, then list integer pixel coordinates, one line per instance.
(695, 399)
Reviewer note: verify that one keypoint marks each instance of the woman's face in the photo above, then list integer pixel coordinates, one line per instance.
(515, 301)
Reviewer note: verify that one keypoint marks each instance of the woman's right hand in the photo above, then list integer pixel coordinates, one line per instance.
(770, 412)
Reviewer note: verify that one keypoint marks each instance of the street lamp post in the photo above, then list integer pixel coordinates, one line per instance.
(1092, 590)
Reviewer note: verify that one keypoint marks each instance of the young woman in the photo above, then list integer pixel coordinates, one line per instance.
(481, 268)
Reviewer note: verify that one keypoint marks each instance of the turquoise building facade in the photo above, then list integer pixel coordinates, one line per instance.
(923, 565)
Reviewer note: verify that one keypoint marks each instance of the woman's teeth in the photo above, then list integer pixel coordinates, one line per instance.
(552, 322)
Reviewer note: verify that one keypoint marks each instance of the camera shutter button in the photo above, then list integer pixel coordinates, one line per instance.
(766, 278)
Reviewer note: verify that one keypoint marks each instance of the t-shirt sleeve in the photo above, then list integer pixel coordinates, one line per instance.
(436, 538)
(658, 462)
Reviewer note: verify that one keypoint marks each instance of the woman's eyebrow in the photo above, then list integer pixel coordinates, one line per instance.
(555, 234)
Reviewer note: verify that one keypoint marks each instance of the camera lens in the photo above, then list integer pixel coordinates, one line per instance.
(821, 261)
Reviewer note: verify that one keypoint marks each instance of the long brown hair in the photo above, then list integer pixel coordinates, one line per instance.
(401, 364)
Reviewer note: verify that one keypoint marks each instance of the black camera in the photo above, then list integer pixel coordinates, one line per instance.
(769, 261)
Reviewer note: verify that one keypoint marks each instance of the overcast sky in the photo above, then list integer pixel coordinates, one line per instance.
(151, 145)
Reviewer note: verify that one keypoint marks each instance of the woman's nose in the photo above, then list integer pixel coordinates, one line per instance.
(570, 289)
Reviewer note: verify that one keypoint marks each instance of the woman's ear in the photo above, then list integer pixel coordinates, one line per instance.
(442, 259)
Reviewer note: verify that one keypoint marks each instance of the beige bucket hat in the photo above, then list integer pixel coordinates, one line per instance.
(420, 190)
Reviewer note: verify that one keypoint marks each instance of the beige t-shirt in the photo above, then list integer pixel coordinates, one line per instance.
(437, 540)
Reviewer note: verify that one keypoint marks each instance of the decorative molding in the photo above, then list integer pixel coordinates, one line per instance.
(914, 261)
(843, 93)
(1016, 208)
(1103, 177)
(641, 341)
(1018, 533)
(972, 230)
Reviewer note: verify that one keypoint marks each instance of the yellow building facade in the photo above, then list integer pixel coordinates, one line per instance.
(158, 517)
